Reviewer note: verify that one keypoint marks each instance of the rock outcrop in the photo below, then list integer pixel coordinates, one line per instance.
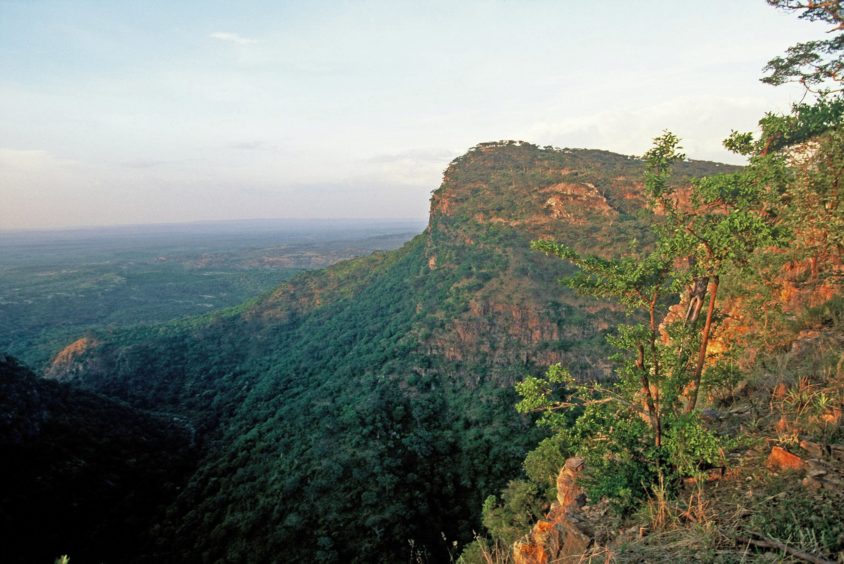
(575, 203)
(66, 363)
(564, 535)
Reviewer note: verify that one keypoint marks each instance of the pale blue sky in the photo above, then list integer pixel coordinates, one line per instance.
(116, 112)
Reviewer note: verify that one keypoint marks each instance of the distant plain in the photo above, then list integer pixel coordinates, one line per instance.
(56, 285)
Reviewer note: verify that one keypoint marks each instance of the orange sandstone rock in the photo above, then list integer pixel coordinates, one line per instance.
(561, 536)
(781, 459)
(569, 494)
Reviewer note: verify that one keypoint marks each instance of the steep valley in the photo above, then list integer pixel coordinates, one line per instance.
(362, 413)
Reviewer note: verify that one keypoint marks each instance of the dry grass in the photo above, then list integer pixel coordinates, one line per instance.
(486, 551)
(754, 514)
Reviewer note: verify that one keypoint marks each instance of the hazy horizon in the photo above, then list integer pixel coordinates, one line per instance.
(130, 114)
(254, 222)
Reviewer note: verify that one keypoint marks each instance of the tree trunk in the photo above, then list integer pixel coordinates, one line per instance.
(694, 385)
(697, 293)
(648, 398)
(654, 397)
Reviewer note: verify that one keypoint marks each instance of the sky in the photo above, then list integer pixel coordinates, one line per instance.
(121, 112)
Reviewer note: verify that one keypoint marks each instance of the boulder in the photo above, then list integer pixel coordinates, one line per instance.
(781, 459)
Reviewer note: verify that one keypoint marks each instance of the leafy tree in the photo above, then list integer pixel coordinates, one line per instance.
(717, 228)
(714, 226)
(782, 206)
(812, 63)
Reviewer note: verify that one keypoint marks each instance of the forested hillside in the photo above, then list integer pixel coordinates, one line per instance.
(364, 412)
(83, 474)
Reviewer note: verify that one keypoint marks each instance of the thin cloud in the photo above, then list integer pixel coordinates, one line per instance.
(701, 121)
(232, 38)
(412, 168)
(143, 163)
(436, 155)
(251, 146)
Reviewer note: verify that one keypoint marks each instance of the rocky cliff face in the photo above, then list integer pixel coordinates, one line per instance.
(493, 201)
